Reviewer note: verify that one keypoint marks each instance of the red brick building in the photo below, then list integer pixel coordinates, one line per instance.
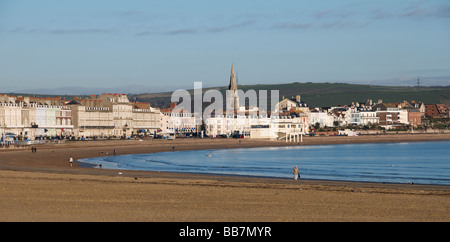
(437, 111)
(443, 110)
(414, 117)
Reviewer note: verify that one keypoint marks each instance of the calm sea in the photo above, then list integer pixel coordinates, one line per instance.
(415, 162)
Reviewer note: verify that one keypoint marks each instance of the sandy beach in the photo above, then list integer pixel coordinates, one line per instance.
(42, 186)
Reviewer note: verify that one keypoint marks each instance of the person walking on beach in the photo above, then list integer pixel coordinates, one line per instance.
(70, 161)
(296, 173)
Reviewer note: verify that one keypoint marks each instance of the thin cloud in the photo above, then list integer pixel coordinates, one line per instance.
(144, 33)
(198, 30)
(291, 25)
(328, 19)
(442, 12)
(333, 14)
(181, 31)
(230, 27)
(414, 12)
(81, 31)
(336, 24)
(22, 30)
(433, 12)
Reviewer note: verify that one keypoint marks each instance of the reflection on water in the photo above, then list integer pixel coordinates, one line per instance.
(419, 163)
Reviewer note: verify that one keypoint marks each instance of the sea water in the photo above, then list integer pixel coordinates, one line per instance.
(409, 162)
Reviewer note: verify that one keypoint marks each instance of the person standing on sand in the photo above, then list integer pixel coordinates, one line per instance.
(296, 172)
(70, 161)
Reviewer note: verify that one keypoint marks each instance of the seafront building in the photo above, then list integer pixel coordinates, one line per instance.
(273, 127)
(102, 116)
(181, 123)
(386, 115)
(28, 118)
(113, 116)
(437, 110)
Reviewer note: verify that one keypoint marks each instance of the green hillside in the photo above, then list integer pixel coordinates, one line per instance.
(328, 94)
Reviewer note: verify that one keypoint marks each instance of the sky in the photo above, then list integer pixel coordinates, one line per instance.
(154, 45)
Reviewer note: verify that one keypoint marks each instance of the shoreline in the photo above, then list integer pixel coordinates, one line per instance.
(50, 164)
(86, 164)
(23, 159)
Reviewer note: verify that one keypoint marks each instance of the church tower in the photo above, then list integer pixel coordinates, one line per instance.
(232, 97)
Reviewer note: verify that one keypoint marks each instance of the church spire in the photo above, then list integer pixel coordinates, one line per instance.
(232, 85)
(232, 97)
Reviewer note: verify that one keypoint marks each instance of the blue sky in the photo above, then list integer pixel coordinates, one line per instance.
(166, 45)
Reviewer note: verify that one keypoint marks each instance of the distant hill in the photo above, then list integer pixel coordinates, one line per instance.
(327, 94)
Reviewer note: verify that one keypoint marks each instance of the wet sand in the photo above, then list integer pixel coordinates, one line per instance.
(42, 186)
